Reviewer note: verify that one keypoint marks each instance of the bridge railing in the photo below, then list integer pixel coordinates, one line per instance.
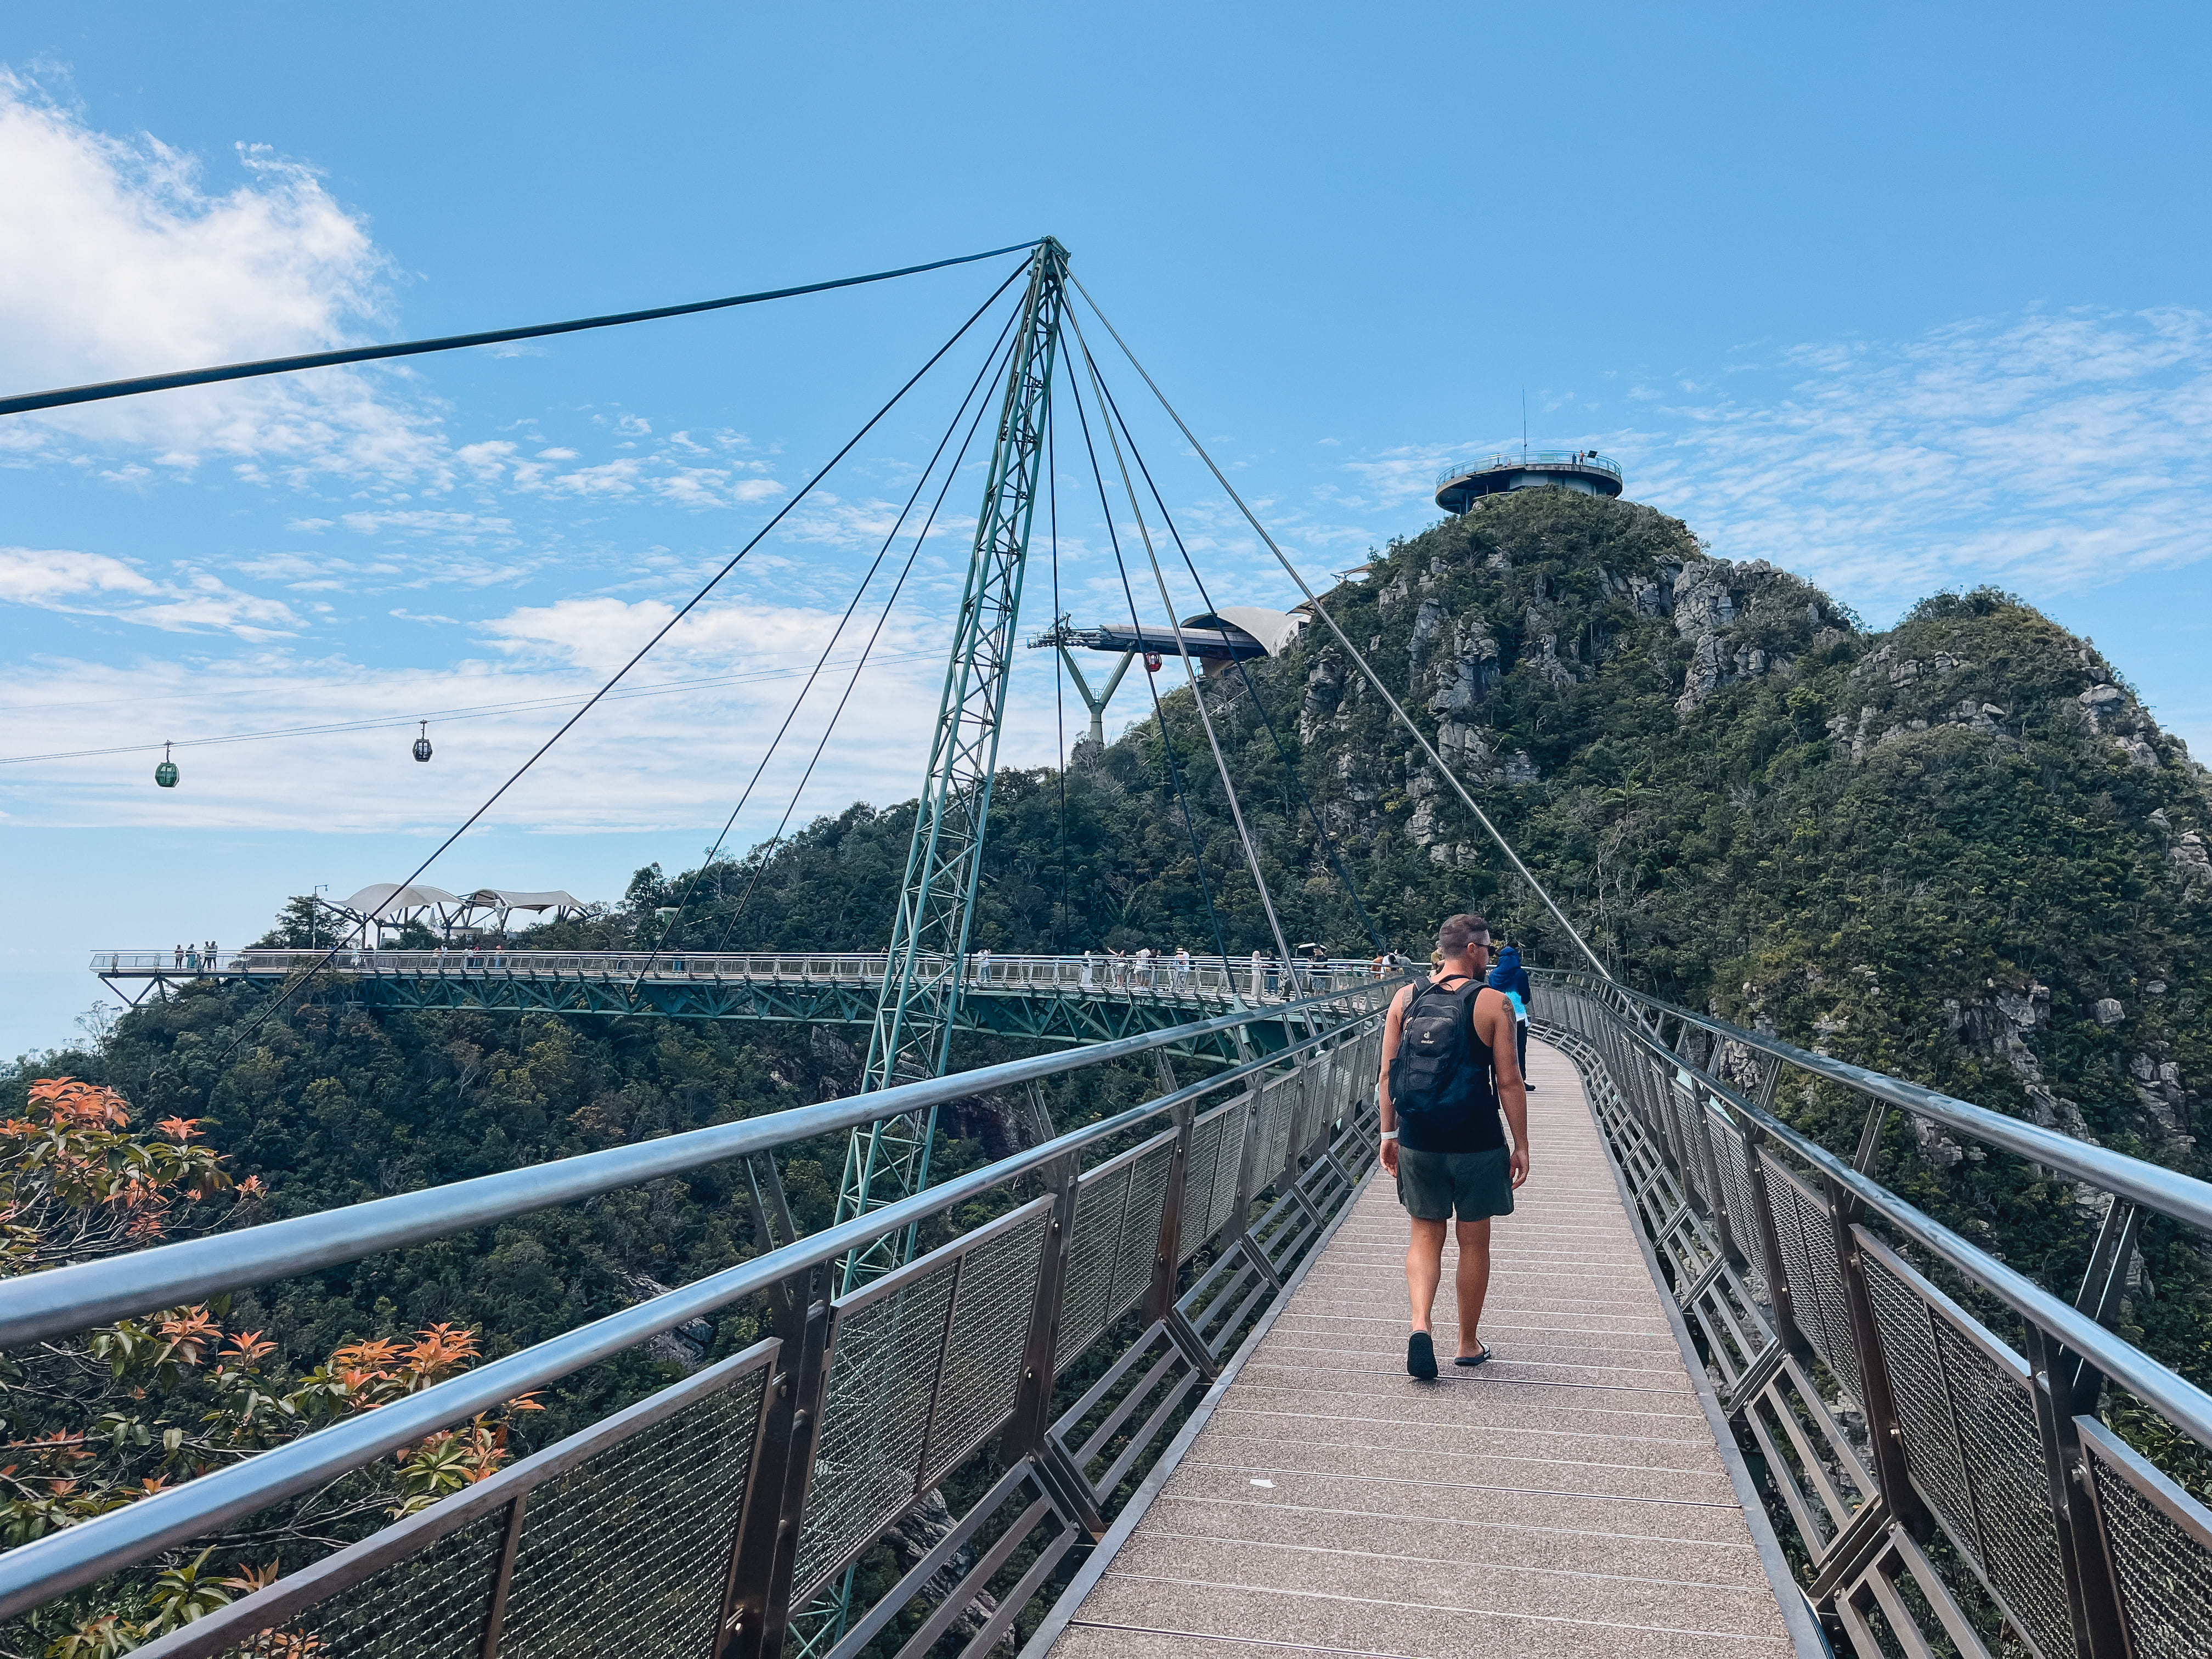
(1099, 973)
(1036, 1363)
(1960, 1449)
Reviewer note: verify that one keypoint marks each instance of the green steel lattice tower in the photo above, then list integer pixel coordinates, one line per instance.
(921, 993)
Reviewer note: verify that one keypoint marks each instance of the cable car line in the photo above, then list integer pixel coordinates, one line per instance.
(26, 402)
(465, 712)
(302, 976)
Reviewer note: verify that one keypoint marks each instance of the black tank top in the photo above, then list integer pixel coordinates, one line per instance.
(1477, 1126)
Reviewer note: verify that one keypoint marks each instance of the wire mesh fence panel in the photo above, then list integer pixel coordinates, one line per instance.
(1236, 1120)
(980, 1371)
(1277, 1104)
(1199, 1170)
(1926, 1420)
(1099, 1201)
(1140, 1228)
(1732, 1159)
(1684, 1140)
(2161, 1542)
(626, 1552)
(430, 1606)
(1807, 1238)
(2004, 1455)
(883, 1369)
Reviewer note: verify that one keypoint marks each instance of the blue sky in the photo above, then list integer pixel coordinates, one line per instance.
(1899, 298)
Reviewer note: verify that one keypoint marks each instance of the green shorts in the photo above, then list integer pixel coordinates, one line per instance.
(1432, 1185)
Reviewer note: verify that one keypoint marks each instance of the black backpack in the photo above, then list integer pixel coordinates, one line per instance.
(1438, 1066)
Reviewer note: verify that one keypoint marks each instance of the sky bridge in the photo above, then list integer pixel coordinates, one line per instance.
(1150, 1388)
(1139, 1389)
(1048, 999)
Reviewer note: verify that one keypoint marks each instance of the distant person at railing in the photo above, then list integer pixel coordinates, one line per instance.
(982, 967)
(1182, 967)
(1143, 977)
(1086, 970)
(179, 955)
(1509, 977)
(1448, 1066)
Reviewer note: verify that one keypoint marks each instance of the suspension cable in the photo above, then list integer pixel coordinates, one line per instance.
(1350, 650)
(1189, 674)
(93, 394)
(302, 976)
(760, 865)
(1151, 684)
(1282, 753)
(859, 592)
(1059, 674)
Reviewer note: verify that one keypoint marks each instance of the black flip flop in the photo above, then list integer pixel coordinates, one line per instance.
(1482, 1359)
(1421, 1356)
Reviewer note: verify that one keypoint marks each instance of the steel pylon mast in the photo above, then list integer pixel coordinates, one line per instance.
(922, 982)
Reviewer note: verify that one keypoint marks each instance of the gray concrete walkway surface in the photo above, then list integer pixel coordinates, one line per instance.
(1566, 1499)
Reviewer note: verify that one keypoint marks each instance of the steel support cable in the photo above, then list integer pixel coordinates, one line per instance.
(303, 976)
(27, 402)
(1282, 753)
(854, 680)
(830, 644)
(1350, 650)
(1189, 674)
(1152, 684)
(1059, 677)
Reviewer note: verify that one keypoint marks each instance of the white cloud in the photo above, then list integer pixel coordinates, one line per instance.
(92, 584)
(121, 260)
(35, 576)
(2061, 451)
(2051, 451)
(461, 528)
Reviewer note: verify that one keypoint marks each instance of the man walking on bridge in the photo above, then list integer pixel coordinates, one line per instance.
(1448, 1066)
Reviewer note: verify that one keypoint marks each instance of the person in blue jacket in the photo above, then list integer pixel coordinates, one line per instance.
(1509, 976)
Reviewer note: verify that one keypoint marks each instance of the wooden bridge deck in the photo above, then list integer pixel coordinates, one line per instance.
(1568, 1498)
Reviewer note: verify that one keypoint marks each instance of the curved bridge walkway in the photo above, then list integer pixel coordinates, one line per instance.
(1046, 998)
(1570, 1498)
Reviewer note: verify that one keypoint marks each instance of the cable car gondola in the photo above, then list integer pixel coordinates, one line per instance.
(423, 743)
(165, 774)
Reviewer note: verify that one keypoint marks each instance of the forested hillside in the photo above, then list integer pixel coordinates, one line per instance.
(1960, 851)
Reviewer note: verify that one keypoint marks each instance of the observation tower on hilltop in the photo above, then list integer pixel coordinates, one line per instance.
(1583, 471)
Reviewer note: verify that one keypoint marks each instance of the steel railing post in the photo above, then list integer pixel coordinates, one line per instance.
(756, 1592)
(1160, 1298)
(2093, 1596)
(1026, 1431)
(1885, 1436)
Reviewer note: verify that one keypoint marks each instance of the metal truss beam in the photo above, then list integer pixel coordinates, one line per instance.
(919, 1004)
(1035, 1015)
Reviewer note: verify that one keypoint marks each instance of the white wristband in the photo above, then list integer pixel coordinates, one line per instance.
(1389, 1134)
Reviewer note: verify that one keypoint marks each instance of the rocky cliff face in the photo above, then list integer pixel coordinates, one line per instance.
(1961, 850)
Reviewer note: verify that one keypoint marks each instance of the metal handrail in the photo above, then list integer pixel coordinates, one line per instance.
(1597, 463)
(1777, 1268)
(1160, 976)
(89, 1293)
(2184, 1197)
(37, 1572)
